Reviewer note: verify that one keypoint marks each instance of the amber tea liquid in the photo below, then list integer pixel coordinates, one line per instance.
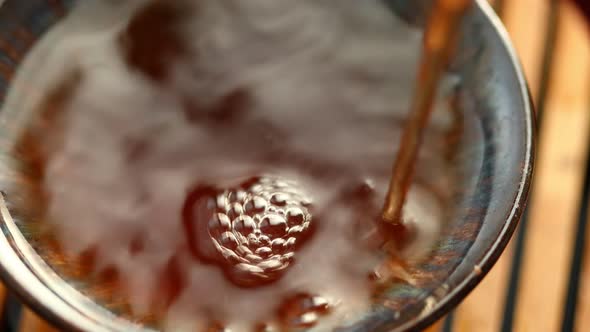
(200, 165)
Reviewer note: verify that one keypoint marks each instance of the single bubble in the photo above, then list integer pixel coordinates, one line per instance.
(264, 252)
(229, 240)
(244, 225)
(273, 225)
(264, 240)
(279, 199)
(222, 202)
(235, 210)
(237, 196)
(219, 223)
(255, 205)
(253, 241)
(278, 245)
(295, 216)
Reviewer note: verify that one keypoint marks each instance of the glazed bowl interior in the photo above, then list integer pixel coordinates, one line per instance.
(493, 161)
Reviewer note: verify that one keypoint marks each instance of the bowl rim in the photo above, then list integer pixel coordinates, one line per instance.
(17, 272)
(485, 264)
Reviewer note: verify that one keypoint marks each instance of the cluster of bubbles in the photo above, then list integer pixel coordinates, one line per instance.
(254, 228)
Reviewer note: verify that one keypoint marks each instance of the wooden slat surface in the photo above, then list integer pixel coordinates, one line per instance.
(2, 297)
(527, 24)
(33, 323)
(436, 327)
(560, 170)
(472, 315)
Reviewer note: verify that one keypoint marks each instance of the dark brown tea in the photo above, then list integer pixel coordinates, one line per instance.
(210, 165)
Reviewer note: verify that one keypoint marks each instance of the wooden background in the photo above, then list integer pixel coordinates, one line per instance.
(542, 281)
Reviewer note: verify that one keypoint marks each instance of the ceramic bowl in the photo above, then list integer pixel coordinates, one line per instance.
(495, 157)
